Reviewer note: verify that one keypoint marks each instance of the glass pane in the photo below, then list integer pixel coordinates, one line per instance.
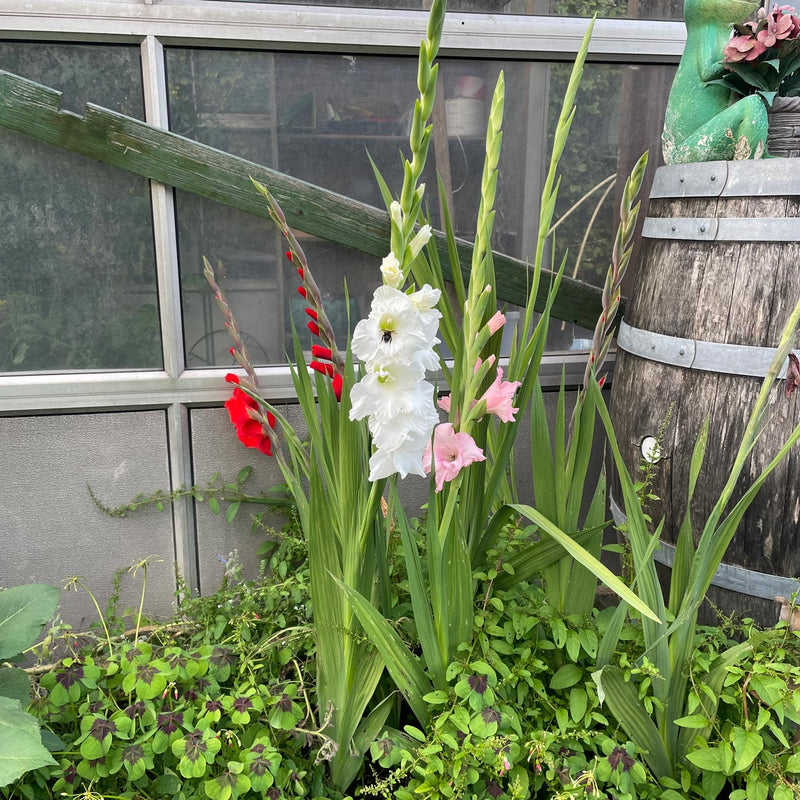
(329, 111)
(633, 9)
(46, 464)
(77, 277)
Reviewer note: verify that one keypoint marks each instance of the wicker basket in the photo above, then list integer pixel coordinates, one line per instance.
(783, 138)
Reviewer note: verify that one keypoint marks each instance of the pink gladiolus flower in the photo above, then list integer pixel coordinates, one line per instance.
(499, 397)
(444, 403)
(451, 453)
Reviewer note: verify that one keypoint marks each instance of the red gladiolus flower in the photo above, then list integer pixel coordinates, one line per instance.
(336, 383)
(248, 430)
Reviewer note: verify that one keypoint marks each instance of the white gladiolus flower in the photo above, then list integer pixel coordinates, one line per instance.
(390, 269)
(387, 390)
(393, 331)
(402, 437)
(405, 460)
(425, 300)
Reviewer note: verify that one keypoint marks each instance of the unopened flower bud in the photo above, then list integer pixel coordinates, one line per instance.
(420, 240)
(396, 213)
(391, 271)
(496, 322)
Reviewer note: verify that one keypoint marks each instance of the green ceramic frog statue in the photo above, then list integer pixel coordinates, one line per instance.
(701, 124)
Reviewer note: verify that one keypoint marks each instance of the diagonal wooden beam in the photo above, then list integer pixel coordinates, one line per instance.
(160, 155)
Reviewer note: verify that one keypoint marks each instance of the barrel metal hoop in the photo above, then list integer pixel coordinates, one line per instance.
(727, 576)
(723, 229)
(730, 359)
(704, 179)
(753, 178)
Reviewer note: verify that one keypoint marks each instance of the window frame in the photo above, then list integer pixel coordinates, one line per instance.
(154, 24)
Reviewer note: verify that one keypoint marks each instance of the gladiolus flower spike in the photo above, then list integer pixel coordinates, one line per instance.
(318, 324)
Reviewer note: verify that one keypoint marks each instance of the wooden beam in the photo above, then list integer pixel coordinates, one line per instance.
(160, 155)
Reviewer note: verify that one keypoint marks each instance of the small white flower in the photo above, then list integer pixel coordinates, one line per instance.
(391, 271)
(425, 299)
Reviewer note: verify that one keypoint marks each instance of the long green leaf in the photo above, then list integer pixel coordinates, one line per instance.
(536, 557)
(420, 601)
(585, 558)
(400, 662)
(623, 700)
(684, 546)
(641, 540)
(610, 639)
(365, 673)
(582, 583)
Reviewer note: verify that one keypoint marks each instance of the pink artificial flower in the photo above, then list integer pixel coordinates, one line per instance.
(451, 453)
(779, 26)
(792, 375)
(742, 48)
(499, 397)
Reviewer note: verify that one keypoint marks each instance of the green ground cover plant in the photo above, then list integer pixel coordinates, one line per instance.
(221, 703)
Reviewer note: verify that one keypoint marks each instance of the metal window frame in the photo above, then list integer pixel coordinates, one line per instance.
(151, 24)
(322, 28)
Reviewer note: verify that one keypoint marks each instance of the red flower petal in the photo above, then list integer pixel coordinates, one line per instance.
(325, 369)
(318, 351)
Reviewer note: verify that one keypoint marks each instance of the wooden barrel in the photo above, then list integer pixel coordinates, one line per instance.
(718, 275)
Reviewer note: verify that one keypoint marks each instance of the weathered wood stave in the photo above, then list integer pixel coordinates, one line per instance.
(731, 292)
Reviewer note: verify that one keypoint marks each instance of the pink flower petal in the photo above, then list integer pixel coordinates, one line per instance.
(451, 453)
(499, 397)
